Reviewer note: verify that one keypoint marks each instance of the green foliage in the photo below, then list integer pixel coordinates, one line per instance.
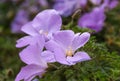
(112, 29)
(10, 63)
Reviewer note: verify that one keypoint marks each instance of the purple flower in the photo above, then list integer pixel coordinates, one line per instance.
(31, 6)
(67, 7)
(26, 9)
(96, 2)
(36, 64)
(36, 60)
(28, 72)
(110, 4)
(20, 19)
(30, 40)
(46, 23)
(43, 2)
(113, 4)
(65, 44)
(93, 20)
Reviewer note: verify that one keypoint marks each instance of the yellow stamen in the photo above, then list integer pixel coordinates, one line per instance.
(43, 32)
(69, 52)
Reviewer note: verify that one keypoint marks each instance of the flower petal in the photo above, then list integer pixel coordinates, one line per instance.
(29, 71)
(59, 53)
(78, 57)
(23, 41)
(79, 41)
(31, 40)
(31, 55)
(64, 38)
(60, 56)
(28, 29)
(48, 20)
(48, 56)
(50, 45)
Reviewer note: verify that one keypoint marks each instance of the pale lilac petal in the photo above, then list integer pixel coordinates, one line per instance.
(29, 71)
(55, 22)
(77, 34)
(59, 53)
(50, 45)
(48, 56)
(32, 55)
(60, 56)
(28, 29)
(80, 40)
(64, 38)
(23, 41)
(47, 20)
(78, 57)
(31, 40)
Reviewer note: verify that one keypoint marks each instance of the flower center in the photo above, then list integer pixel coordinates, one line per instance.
(43, 32)
(69, 52)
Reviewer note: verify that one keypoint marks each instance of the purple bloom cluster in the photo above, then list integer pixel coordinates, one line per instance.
(67, 7)
(110, 4)
(20, 19)
(26, 9)
(46, 43)
(93, 19)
